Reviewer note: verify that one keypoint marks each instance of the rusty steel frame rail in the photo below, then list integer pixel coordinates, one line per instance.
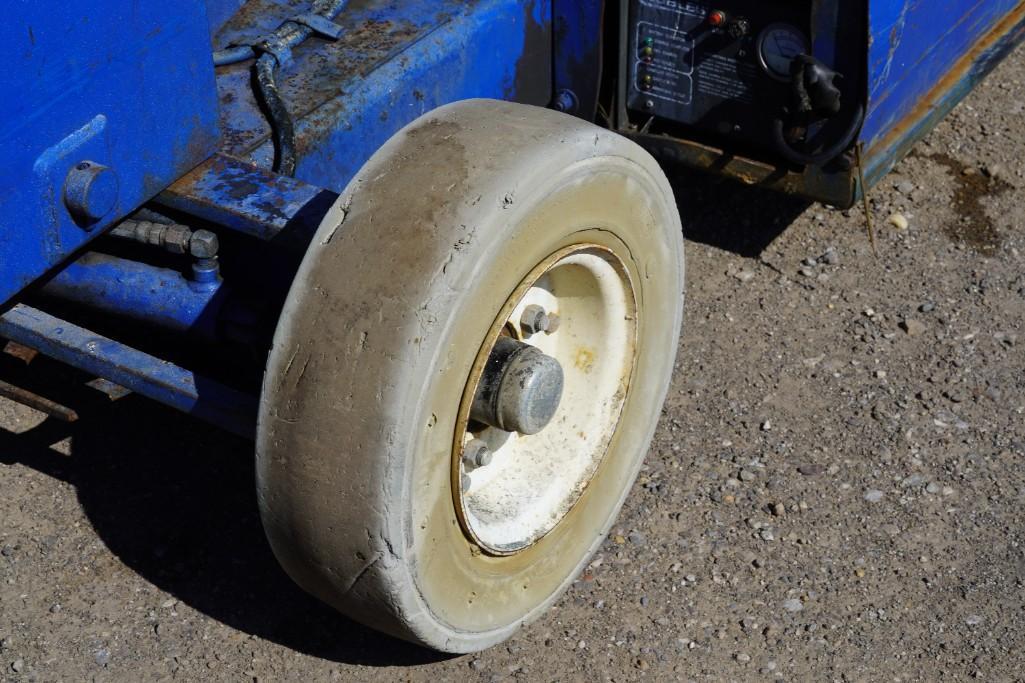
(37, 402)
(837, 189)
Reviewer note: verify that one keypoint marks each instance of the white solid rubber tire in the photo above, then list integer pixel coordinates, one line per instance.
(377, 339)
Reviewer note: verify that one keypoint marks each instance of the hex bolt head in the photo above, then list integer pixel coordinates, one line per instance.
(477, 454)
(534, 320)
(204, 244)
(554, 321)
(566, 101)
(175, 237)
(90, 192)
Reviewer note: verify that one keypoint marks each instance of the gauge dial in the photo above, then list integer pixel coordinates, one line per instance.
(778, 44)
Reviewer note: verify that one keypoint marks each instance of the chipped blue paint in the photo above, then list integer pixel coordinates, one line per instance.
(924, 58)
(895, 36)
(127, 289)
(395, 62)
(250, 200)
(914, 45)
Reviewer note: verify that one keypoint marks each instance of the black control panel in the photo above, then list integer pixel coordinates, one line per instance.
(723, 68)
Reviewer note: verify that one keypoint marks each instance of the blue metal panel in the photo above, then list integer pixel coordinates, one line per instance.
(220, 11)
(394, 62)
(125, 84)
(132, 369)
(923, 61)
(578, 32)
(129, 289)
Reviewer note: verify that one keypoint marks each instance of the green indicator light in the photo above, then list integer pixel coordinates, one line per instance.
(649, 41)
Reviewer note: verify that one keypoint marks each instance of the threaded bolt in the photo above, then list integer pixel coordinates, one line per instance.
(534, 320)
(477, 454)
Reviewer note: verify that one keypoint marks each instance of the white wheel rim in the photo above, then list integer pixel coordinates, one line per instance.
(533, 481)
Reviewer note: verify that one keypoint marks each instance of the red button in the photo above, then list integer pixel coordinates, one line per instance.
(717, 18)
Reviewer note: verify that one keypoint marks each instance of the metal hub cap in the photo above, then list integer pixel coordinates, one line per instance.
(519, 390)
(544, 398)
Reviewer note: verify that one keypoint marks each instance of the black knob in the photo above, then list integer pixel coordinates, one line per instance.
(814, 87)
(739, 28)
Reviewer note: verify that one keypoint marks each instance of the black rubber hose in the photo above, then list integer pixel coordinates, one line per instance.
(286, 37)
(282, 126)
(803, 158)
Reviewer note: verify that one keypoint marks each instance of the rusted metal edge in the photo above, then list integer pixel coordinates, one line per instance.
(22, 353)
(836, 188)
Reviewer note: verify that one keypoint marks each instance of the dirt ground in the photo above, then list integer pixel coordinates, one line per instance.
(835, 492)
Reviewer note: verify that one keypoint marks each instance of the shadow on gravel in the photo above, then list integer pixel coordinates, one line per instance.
(174, 500)
(729, 216)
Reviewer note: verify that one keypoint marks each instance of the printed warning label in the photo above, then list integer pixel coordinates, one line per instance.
(726, 78)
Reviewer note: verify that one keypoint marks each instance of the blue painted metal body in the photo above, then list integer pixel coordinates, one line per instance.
(102, 82)
(129, 85)
(150, 110)
(137, 291)
(923, 58)
(578, 28)
(913, 46)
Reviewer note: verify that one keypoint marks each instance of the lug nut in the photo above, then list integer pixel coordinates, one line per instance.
(477, 454)
(554, 321)
(534, 319)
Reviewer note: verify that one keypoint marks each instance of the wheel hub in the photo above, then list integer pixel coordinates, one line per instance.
(520, 388)
(544, 398)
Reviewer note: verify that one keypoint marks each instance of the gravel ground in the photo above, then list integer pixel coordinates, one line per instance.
(835, 491)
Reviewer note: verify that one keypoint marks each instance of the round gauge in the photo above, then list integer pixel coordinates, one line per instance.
(778, 44)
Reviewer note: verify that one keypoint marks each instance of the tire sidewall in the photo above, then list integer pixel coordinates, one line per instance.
(470, 598)
(374, 347)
